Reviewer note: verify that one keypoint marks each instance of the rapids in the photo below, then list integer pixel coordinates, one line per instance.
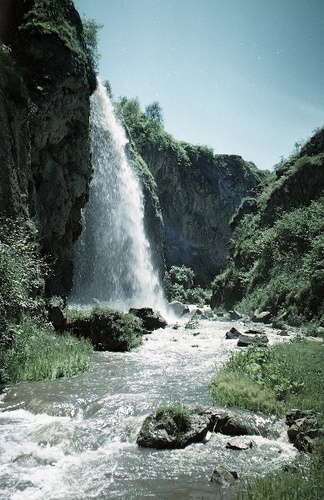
(75, 439)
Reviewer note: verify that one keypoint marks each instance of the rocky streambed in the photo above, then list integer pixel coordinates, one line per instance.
(77, 438)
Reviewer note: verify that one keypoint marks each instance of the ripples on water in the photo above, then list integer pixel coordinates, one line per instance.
(74, 439)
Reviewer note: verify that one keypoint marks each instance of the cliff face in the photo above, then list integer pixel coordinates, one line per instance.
(198, 200)
(45, 155)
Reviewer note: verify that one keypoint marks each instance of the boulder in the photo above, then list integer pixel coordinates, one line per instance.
(57, 318)
(233, 333)
(257, 340)
(239, 444)
(234, 315)
(263, 317)
(303, 429)
(164, 429)
(152, 320)
(177, 308)
(255, 331)
(223, 476)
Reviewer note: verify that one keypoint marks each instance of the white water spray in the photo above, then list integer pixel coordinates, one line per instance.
(113, 263)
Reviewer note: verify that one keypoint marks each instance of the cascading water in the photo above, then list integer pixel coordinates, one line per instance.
(113, 263)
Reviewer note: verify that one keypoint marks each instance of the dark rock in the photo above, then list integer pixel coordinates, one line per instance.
(223, 476)
(152, 320)
(57, 318)
(255, 331)
(263, 317)
(233, 333)
(247, 340)
(239, 444)
(164, 432)
(283, 333)
(234, 315)
(303, 428)
(229, 425)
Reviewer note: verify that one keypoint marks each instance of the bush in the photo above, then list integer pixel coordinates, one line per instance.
(29, 348)
(21, 271)
(179, 285)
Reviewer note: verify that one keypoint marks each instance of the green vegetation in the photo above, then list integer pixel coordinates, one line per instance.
(107, 329)
(274, 380)
(307, 483)
(147, 132)
(29, 347)
(52, 17)
(179, 414)
(280, 268)
(56, 18)
(288, 375)
(179, 283)
(36, 353)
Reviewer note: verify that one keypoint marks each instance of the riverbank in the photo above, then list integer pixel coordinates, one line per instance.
(275, 380)
(75, 438)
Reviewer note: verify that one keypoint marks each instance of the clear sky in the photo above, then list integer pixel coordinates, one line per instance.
(240, 76)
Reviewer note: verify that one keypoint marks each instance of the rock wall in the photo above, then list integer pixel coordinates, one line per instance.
(45, 153)
(198, 201)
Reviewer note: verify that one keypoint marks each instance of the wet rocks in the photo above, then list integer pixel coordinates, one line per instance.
(152, 320)
(233, 333)
(257, 340)
(177, 308)
(239, 444)
(223, 476)
(263, 317)
(165, 429)
(303, 428)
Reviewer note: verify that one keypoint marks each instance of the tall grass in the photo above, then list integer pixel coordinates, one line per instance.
(288, 375)
(38, 353)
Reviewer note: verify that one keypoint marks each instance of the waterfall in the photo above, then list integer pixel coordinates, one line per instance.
(113, 263)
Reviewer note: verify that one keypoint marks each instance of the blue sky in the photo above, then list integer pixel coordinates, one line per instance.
(240, 76)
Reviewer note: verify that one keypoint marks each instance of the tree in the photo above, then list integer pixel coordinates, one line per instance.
(90, 35)
(108, 88)
(154, 113)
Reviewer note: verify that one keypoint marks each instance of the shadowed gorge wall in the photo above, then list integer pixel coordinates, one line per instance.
(44, 106)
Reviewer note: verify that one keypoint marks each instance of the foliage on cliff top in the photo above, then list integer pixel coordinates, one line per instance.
(277, 256)
(59, 18)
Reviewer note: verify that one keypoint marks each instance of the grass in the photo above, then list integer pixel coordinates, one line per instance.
(274, 380)
(306, 484)
(179, 414)
(38, 353)
(288, 375)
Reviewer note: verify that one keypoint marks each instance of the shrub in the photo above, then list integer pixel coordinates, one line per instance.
(179, 285)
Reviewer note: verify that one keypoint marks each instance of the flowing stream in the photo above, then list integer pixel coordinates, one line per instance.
(75, 439)
(113, 263)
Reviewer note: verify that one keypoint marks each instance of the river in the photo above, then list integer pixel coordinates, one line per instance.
(75, 439)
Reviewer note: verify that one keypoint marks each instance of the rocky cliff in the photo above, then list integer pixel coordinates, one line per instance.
(276, 260)
(45, 83)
